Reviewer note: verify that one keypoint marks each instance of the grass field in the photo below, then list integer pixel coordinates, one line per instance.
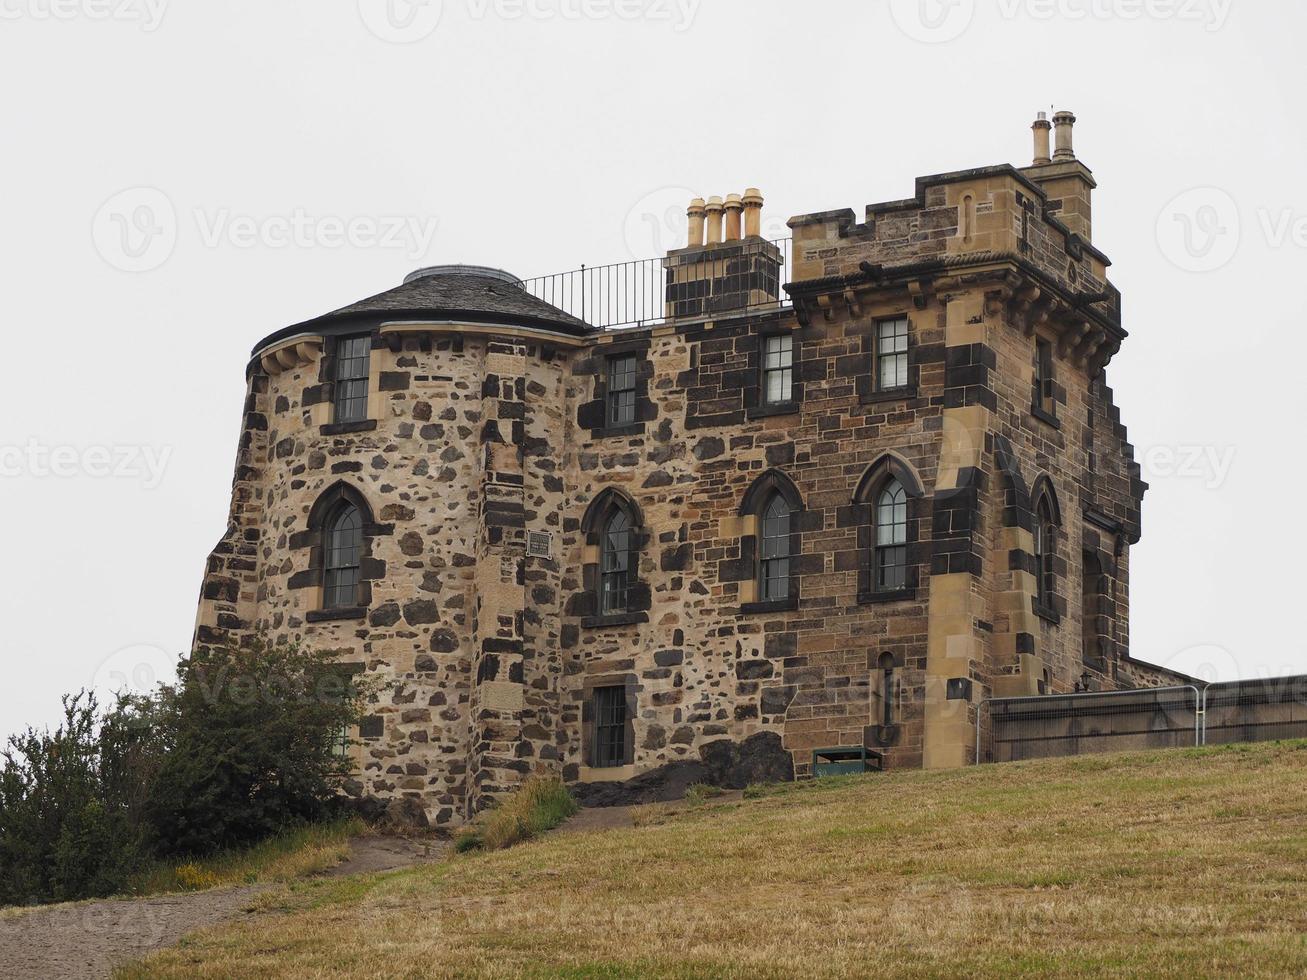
(1184, 863)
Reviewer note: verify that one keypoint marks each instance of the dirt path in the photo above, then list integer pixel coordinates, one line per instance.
(91, 938)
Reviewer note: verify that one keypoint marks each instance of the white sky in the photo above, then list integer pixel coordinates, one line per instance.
(539, 142)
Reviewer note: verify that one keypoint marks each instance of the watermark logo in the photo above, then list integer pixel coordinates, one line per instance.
(1200, 229)
(1209, 465)
(145, 464)
(148, 14)
(933, 21)
(401, 21)
(941, 21)
(1211, 15)
(133, 670)
(680, 14)
(299, 229)
(136, 229)
(658, 222)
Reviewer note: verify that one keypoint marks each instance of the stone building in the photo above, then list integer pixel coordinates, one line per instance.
(830, 493)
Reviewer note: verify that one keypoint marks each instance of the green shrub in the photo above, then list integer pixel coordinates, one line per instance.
(542, 804)
(254, 734)
(69, 820)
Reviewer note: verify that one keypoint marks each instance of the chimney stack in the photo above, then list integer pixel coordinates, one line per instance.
(1042, 129)
(734, 211)
(753, 213)
(715, 213)
(697, 213)
(1063, 122)
(1068, 183)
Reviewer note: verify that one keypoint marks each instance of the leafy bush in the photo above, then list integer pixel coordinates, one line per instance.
(542, 804)
(67, 825)
(244, 746)
(253, 737)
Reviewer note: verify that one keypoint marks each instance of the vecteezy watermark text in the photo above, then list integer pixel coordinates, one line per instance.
(147, 13)
(410, 21)
(941, 21)
(144, 463)
(137, 230)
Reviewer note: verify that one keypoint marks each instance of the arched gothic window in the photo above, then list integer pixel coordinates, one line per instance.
(615, 538)
(1045, 551)
(887, 506)
(774, 555)
(615, 560)
(342, 557)
(891, 562)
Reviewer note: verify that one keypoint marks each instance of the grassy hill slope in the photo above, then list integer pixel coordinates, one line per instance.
(1189, 862)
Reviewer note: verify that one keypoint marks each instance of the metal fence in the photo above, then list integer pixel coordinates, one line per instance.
(1079, 724)
(1171, 717)
(1255, 711)
(644, 292)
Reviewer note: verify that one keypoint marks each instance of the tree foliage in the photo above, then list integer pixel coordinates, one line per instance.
(247, 743)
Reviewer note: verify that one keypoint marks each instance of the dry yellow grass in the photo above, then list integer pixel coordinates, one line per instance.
(1187, 863)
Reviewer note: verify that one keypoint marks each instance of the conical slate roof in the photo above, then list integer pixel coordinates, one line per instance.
(464, 293)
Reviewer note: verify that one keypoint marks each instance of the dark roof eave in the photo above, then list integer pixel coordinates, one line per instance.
(332, 323)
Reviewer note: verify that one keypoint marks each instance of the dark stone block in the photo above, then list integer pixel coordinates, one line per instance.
(753, 670)
(421, 612)
(387, 615)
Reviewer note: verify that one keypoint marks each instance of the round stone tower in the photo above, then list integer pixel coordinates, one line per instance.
(396, 502)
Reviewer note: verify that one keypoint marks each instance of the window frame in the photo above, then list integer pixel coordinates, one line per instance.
(897, 546)
(624, 399)
(888, 690)
(609, 748)
(345, 396)
(1044, 528)
(785, 370)
(338, 559)
(775, 550)
(1043, 403)
(880, 355)
(615, 560)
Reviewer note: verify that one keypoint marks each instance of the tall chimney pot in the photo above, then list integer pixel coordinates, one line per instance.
(715, 209)
(1063, 123)
(753, 213)
(1042, 128)
(697, 214)
(734, 211)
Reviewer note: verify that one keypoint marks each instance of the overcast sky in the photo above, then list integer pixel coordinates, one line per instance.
(180, 180)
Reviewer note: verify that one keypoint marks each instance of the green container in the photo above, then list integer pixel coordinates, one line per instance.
(839, 762)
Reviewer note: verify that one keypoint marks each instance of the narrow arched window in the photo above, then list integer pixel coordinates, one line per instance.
(616, 564)
(891, 562)
(775, 553)
(1045, 550)
(888, 692)
(342, 555)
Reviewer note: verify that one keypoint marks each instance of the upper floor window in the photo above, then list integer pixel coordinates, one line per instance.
(621, 390)
(774, 563)
(615, 559)
(609, 706)
(892, 354)
(1043, 389)
(778, 369)
(892, 538)
(352, 372)
(342, 558)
